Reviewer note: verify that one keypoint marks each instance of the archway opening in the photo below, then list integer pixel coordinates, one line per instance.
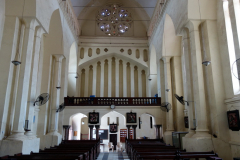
(147, 130)
(112, 117)
(79, 127)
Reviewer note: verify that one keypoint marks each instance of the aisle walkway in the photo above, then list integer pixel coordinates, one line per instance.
(112, 156)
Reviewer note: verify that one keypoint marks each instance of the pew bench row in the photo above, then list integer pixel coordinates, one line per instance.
(67, 150)
(157, 150)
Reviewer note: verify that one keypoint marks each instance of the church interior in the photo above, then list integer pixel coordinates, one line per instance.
(117, 70)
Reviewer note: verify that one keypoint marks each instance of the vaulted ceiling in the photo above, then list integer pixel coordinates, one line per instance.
(142, 8)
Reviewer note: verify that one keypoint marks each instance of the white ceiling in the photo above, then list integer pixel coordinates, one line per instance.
(126, 3)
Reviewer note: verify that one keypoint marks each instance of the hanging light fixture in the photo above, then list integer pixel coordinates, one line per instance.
(16, 60)
(205, 62)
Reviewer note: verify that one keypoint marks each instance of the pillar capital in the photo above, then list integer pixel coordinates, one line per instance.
(59, 57)
(91, 126)
(193, 25)
(166, 59)
(158, 126)
(97, 126)
(66, 126)
(30, 22)
(128, 126)
(134, 126)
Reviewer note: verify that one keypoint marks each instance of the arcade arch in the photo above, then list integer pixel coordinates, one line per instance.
(79, 126)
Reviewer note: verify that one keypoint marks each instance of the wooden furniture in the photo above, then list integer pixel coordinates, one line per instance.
(155, 149)
(119, 146)
(74, 149)
(110, 146)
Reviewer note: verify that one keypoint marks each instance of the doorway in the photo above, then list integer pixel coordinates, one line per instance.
(113, 139)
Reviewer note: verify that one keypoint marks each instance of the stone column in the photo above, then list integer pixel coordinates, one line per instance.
(8, 80)
(117, 77)
(23, 83)
(148, 85)
(102, 79)
(94, 87)
(168, 96)
(17, 142)
(157, 131)
(198, 81)
(134, 131)
(66, 129)
(187, 82)
(97, 131)
(177, 82)
(128, 128)
(139, 82)
(77, 80)
(124, 80)
(34, 83)
(56, 93)
(110, 77)
(35, 124)
(91, 131)
(132, 79)
(86, 81)
(159, 78)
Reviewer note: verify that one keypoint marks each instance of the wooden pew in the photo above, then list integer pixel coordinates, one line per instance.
(177, 154)
(47, 157)
(148, 150)
(67, 150)
(176, 157)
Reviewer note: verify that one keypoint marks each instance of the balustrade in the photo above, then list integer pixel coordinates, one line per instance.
(107, 101)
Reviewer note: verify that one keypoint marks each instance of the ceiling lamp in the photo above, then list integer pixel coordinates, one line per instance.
(206, 63)
(114, 20)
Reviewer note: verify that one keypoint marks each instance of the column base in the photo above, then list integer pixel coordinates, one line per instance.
(14, 146)
(202, 134)
(17, 135)
(168, 137)
(198, 144)
(190, 133)
(30, 135)
(50, 140)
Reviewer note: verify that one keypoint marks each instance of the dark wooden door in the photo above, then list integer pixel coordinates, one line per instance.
(113, 139)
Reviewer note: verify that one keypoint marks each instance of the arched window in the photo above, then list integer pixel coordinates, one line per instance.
(145, 55)
(90, 52)
(137, 54)
(82, 53)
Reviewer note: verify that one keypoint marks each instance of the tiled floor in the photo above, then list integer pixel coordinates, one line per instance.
(113, 156)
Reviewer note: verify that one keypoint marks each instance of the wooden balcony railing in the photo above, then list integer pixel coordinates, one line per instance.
(107, 101)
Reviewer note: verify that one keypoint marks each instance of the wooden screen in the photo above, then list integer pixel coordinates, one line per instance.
(131, 133)
(123, 135)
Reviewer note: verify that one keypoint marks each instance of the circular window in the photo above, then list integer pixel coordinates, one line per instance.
(114, 20)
